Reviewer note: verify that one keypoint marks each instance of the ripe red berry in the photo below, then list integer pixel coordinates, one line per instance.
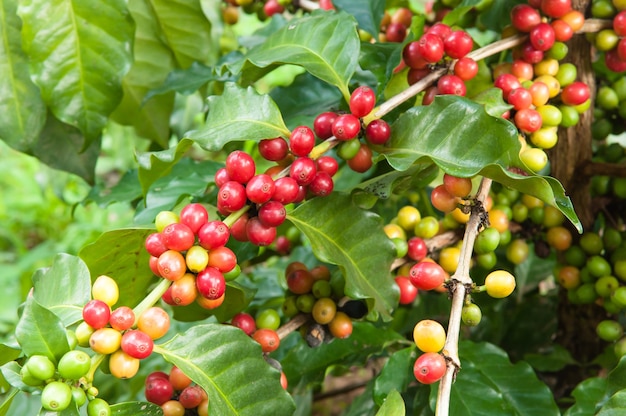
(466, 68)
(258, 233)
(614, 62)
(451, 85)
(430, 47)
(221, 177)
(412, 57)
(158, 390)
(408, 292)
(429, 367)
(96, 314)
(272, 7)
(137, 344)
(211, 283)
(273, 149)
(417, 250)
(194, 216)
(327, 164)
(507, 83)
(245, 322)
(302, 141)
(396, 32)
(223, 259)
(346, 127)
(286, 191)
(542, 36)
(272, 213)
(556, 8)
(414, 75)
(520, 98)
(191, 397)
(321, 185)
(122, 318)
(240, 166)
(362, 101)
(323, 124)
(268, 338)
(443, 200)
(231, 196)
(178, 236)
(531, 54)
(260, 188)
(303, 170)
(378, 132)
(458, 44)
(528, 120)
(213, 234)
(363, 159)
(155, 244)
(440, 29)
(524, 17)
(575, 93)
(562, 31)
(427, 275)
(619, 23)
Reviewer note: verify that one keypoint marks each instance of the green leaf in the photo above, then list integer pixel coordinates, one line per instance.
(152, 62)
(236, 300)
(463, 140)
(368, 13)
(185, 29)
(417, 176)
(393, 405)
(22, 111)
(60, 147)
(8, 353)
(8, 400)
(488, 384)
(396, 374)
(588, 394)
(120, 254)
(310, 364)
(617, 377)
(459, 11)
(71, 410)
(380, 59)
(154, 165)
(492, 100)
(615, 406)
(79, 51)
(326, 44)
(127, 189)
(136, 408)
(554, 359)
(41, 332)
(11, 373)
(230, 367)
(186, 81)
(239, 114)
(343, 234)
(64, 288)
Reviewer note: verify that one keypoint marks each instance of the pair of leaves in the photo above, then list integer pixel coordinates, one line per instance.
(601, 396)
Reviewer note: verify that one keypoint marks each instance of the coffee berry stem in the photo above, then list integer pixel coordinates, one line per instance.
(96, 360)
(308, 5)
(460, 284)
(234, 216)
(292, 325)
(151, 298)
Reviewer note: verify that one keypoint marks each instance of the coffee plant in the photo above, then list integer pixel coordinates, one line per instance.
(427, 197)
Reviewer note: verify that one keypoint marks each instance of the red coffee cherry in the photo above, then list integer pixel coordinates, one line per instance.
(362, 101)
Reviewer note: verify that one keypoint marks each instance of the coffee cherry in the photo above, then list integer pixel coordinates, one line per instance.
(431, 47)
(96, 314)
(105, 289)
(74, 364)
(98, 407)
(322, 184)
(178, 379)
(211, 283)
(427, 275)
(260, 188)
(327, 164)
(155, 244)
(341, 325)
(471, 314)
(165, 218)
(322, 125)
(362, 161)
(268, 318)
(178, 236)
(123, 365)
(56, 396)
(158, 390)
(302, 141)
(213, 234)
(173, 408)
(466, 68)
(273, 213)
(555, 8)
(499, 283)
(429, 335)
(429, 367)
(258, 233)
(287, 190)
(245, 322)
(231, 197)
(346, 127)
(362, 101)
(458, 44)
(609, 330)
(194, 216)
(40, 367)
(268, 339)
(575, 93)
(78, 396)
(408, 292)
(487, 241)
(122, 318)
(154, 321)
(300, 281)
(417, 249)
(191, 397)
(324, 310)
(196, 259)
(105, 341)
(377, 132)
(137, 344)
(240, 166)
(442, 200)
(171, 265)
(274, 149)
(303, 170)
(524, 17)
(451, 85)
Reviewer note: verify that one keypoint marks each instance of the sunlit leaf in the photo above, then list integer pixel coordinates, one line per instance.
(393, 405)
(153, 165)
(230, 367)
(368, 13)
(22, 111)
(64, 288)
(463, 140)
(79, 51)
(236, 299)
(239, 114)
(136, 408)
(396, 374)
(326, 44)
(345, 235)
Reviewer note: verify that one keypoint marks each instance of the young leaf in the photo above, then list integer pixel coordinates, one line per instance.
(120, 254)
(22, 111)
(326, 44)
(79, 51)
(136, 408)
(343, 234)
(393, 405)
(39, 331)
(63, 288)
(463, 140)
(239, 114)
(368, 13)
(152, 61)
(230, 367)
(489, 384)
(153, 165)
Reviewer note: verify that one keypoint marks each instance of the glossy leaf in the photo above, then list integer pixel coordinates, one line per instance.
(380, 59)
(326, 44)
(615, 406)
(22, 111)
(71, 410)
(588, 394)
(236, 300)
(463, 140)
(153, 165)
(553, 360)
(396, 374)
(459, 11)
(368, 13)
(8, 353)
(60, 147)
(416, 176)
(152, 62)
(64, 288)
(79, 51)
(343, 234)
(185, 30)
(136, 408)
(239, 114)
(39, 331)
(120, 254)
(11, 373)
(393, 405)
(308, 365)
(186, 81)
(617, 377)
(7, 400)
(222, 359)
(489, 384)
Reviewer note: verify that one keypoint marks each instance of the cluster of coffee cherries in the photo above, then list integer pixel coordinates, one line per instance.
(263, 8)
(176, 393)
(610, 42)
(310, 292)
(189, 250)
(438, 43)
(118, 333)
(348, 128)
(65, 382)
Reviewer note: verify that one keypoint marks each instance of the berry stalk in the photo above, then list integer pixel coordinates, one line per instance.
(151, 299)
